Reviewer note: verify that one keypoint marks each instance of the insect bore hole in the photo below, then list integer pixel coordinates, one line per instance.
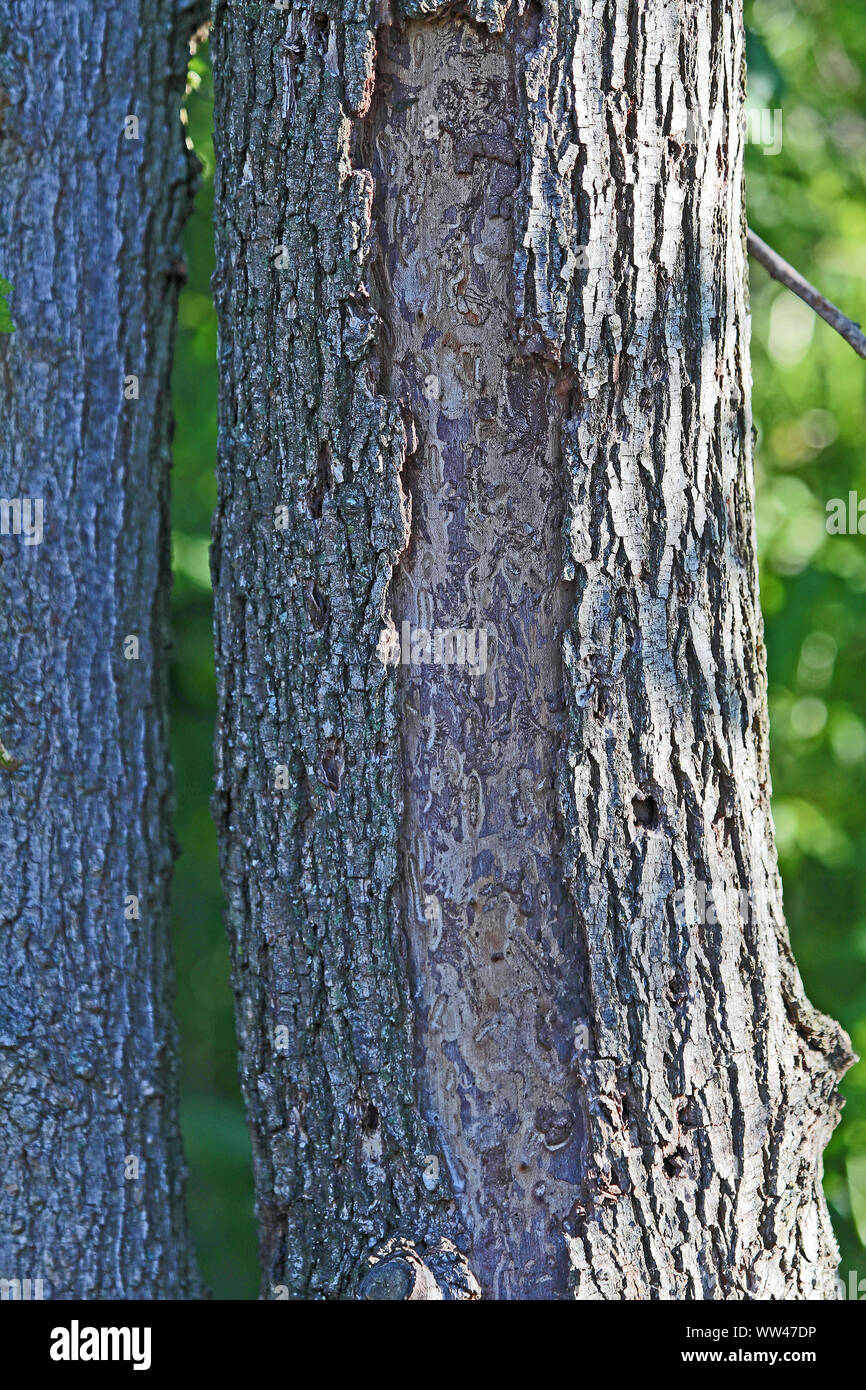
(646, 811)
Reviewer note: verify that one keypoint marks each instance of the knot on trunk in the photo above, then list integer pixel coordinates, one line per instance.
(401, 1272)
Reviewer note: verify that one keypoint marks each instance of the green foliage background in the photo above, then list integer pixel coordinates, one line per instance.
(220, 1187)
(809, 202)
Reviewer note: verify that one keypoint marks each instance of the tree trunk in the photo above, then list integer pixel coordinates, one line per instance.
(512, 974)
(96, 183)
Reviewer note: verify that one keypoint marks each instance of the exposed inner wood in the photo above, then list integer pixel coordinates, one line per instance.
(493, 947)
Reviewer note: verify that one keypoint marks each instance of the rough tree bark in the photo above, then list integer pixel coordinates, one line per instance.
(91, 215)
(515, 996)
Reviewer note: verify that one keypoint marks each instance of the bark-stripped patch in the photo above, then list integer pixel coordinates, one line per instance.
(489, 929)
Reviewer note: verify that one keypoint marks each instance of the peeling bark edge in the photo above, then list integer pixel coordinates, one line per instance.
(342, 1157)
(400, 1273)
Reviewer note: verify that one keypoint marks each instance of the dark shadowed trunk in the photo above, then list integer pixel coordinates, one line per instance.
(512, 973)
(96, 183)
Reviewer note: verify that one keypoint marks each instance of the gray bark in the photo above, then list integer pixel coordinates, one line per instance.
(508, 945)
(90, 236)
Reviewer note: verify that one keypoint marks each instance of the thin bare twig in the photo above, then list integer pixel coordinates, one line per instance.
(788, 276)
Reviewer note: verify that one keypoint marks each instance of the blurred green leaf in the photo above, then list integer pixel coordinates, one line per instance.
(857, 1192)
(6, 323)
